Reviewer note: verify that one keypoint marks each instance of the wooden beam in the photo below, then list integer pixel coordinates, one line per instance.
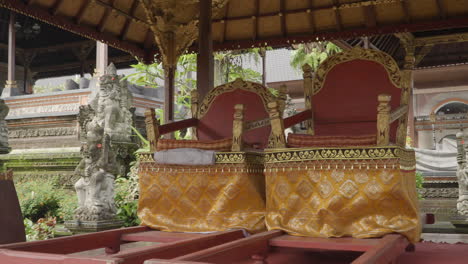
(120, 12)
(82, 11)
(422, 53)
(105, 17)
(342, 44)
(205, 72)
(441, 8)
(255, 19)
(339, 25)
(441, 39)
(405, 6)
(124, 32)
(224, 22)
(370, 18)
(282, 16)
(311, 17)
(56, 7)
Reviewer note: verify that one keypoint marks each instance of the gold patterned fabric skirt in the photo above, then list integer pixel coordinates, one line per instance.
(331, 196)
(202, 198)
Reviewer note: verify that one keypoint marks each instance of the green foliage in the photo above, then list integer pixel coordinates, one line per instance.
(41, 199)
(126, 196)
(312, 54)
(419, 183)
(43, 229)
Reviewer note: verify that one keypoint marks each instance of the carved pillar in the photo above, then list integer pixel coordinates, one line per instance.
(462, 174)
(383, 118)
(282, 97)
(237, 127)
(407, 40)
(308, 96)
(277, 139)
(11, 80)
(152, 129)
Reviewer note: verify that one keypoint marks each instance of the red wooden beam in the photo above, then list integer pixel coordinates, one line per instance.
(23, 257)
(341, 244)
(389, 248)
(297, 118)
(172, 127)
(175, 249)
(235, 251)
(158, 236)
(77, 243)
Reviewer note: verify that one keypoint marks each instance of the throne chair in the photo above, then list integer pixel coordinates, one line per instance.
(351, 174)
(233, 120)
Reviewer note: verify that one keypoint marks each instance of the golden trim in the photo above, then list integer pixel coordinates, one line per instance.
(379, 57)
(256, 88)
(345, 153)
(221, 157)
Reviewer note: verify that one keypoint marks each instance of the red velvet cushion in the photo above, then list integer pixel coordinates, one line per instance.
(304, 140)
(216, 145)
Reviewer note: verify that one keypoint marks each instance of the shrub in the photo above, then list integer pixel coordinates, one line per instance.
(43, 229)
(41, 199)
(419, 184)
(126, 196)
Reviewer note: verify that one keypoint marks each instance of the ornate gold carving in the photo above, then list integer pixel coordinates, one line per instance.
(277, 139)
(387, 62)
(257, 88)
(152, 128)
(383, 120)
(237, 127)
(282, 97)
(348, 153)
(308, 92)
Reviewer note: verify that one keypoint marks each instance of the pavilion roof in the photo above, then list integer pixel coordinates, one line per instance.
(245, 23)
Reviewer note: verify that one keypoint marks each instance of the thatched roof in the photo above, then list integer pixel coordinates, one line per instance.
(245, 23)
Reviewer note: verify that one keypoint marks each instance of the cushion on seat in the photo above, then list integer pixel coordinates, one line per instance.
(304, 140)
(216, 145)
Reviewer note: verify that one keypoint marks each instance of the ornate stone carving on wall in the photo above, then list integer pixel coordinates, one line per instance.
(4, 148)
(462, 173)
(106, 129)
(439, 192)
(42, 132)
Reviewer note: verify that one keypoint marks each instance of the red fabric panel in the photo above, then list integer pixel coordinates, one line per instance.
(217, 122)
(305, 140)
(347, 102)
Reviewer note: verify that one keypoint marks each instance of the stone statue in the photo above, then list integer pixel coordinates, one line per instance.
(106, 134)
(4, 148)
(462, 174)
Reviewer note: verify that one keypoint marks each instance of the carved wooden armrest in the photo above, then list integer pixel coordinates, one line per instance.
(397, 113)
(154, 130)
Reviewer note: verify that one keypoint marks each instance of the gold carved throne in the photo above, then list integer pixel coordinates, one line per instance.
(351, 174)
(233, 120)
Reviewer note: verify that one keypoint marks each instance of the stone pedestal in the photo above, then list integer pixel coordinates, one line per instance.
(80, 227)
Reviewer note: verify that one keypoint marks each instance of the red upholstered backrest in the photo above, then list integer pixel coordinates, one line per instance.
(347, 102)
(216, 122)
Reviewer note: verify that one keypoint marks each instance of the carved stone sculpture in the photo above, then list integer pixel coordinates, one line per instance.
(4, 148)
(106, 129)
(462, 174)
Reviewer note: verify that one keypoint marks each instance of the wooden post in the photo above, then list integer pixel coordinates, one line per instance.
(237, 127)
(152, 128)
(169, 94)
(277, 139)
(194, 109)
(383, 118)
(308, 96)
(205, 70)
(11, 80)
(263, 55)
(282, 97)
(101, 58)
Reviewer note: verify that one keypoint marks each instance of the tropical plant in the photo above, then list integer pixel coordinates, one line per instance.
(312, 53)
(126, 196)
(419, 184)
